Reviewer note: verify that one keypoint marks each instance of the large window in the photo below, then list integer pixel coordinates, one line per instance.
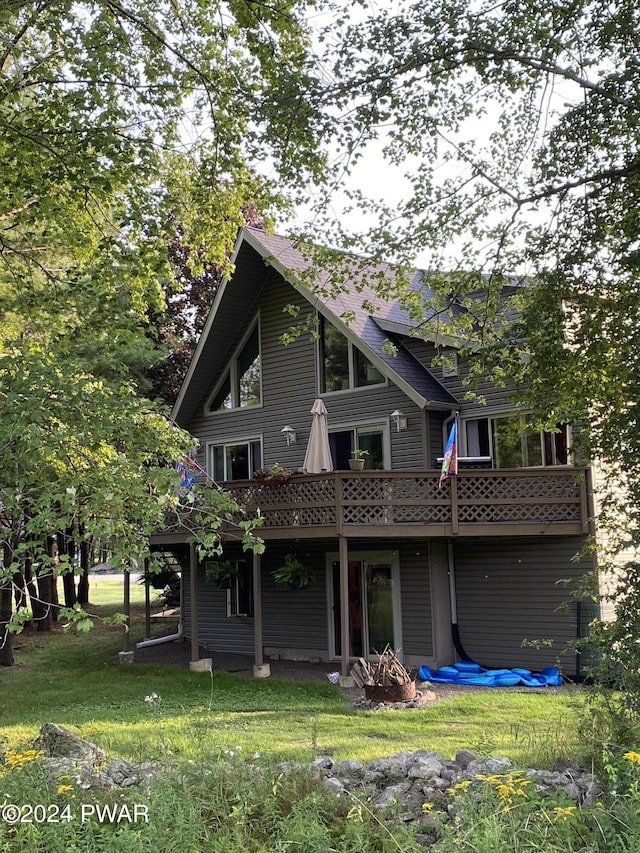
(235, 461)
(513, 443)
(241, 384)
(342, 364)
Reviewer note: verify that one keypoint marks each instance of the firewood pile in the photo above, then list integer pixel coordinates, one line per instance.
(387, 671)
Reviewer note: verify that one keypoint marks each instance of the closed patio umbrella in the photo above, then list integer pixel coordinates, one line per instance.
(318, 455)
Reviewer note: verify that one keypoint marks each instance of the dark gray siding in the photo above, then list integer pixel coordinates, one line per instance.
(417, 637)
(295, 618)
(436, 438)
(494, 398)
(509, 591)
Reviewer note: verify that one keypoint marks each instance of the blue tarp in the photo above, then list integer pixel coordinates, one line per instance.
(472, 673)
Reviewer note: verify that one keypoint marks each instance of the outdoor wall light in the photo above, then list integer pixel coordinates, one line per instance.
(290, 434)
(399, 419)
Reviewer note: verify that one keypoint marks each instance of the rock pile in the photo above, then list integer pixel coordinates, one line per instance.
(396, 787)
(404, 782)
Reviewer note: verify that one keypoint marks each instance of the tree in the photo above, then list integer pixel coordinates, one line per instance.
(117, 121)
(93, 460)
(95, 147)
(516, 128)
(102, 156)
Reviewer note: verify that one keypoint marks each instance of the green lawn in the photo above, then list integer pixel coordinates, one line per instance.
(75, 680)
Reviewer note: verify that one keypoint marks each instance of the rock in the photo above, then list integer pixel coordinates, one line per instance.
(464, 757)
(349, 768)
(425, 765)
(58, 742)
(82, 761)
(391, 794)
(333, 785)
(488, 766)
(394, 767)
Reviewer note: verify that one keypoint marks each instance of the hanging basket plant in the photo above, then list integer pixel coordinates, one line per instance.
(160, 580)
(221, 572)
(293, 573)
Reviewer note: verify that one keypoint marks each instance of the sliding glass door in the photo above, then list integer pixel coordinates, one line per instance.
(373, 606)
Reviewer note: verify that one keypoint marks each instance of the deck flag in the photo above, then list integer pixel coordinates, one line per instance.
(450, 459)
(187, 468)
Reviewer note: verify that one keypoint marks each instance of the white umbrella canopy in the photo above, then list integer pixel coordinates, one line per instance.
(318, 455)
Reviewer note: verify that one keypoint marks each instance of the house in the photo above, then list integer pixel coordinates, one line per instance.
(481, 567)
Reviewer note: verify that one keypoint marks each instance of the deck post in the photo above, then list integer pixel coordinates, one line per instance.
(344, 605)
(193, 590)
(260, 668)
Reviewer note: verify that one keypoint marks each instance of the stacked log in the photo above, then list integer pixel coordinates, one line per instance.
(387, 671)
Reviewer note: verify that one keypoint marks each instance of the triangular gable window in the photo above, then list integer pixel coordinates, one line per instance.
(241, 386)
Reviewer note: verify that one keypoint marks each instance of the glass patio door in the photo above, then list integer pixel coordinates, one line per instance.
(371, 607)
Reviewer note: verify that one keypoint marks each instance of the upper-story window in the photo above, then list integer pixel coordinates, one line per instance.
(237, 460)
(512, 443)
(342, 365)
(370, 439)
(241, 385)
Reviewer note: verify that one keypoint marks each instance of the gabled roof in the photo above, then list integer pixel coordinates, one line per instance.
(336, 296)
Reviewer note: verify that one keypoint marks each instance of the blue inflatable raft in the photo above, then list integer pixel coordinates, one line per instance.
(468, 672)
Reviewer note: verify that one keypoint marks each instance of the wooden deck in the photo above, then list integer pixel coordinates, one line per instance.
(490, 502)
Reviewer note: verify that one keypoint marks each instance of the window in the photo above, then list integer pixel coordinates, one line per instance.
(241, 384)
(371, 439)
(512, 443)
(449, 364)
(240, 595)
(235, 461)
(342, 364)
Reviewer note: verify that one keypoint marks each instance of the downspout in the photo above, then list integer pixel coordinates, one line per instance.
(143, 644)
(446, 426)
(455, 633)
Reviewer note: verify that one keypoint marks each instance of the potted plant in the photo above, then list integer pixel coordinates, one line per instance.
(221, 572)
(356, 463)
(273, 474)
(293, 573)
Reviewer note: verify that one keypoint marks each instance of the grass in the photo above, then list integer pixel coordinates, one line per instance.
(74, 680)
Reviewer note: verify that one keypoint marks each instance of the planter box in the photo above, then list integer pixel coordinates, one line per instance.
(393, 693)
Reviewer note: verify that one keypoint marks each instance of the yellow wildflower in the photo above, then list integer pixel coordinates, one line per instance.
(634, 757)
(19, 759)
(62, 789)
(563, 813)
(461, 786)
(426, 807)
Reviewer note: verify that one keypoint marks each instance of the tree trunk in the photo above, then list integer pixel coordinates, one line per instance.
(45, 591)
(6, 639)
(68, 578)
(19, 590)
(83, 581)
(52, 550)
(38, 609)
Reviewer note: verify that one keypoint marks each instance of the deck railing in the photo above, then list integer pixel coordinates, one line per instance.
(476, 502)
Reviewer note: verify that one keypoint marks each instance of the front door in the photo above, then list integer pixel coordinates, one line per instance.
(372, 607)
